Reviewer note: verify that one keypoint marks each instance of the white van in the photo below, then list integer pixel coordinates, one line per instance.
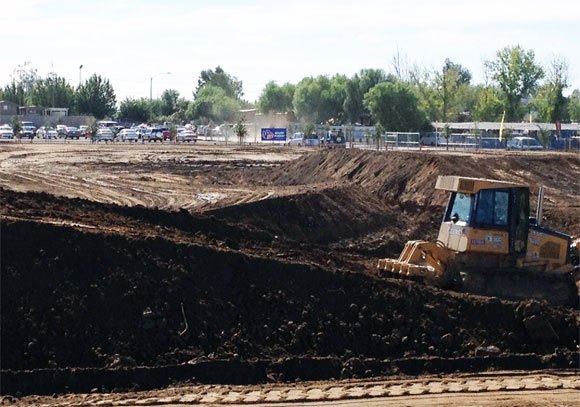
(300, 139)
(524, 143)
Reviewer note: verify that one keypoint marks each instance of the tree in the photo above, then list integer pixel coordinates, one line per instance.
(97, 97)
(451, 85)
(213, 104)
(53, 91)
(169, 102)
(574, 106)
(240, 130)
(550, 102)
(422, 83)
(24, 78)
(355, 90)
(13, 93)
(395, 107)
(276, 98)
(135, 110)
(463, 75)
(517, 74)
(231, 86)
(16, 127)
(488, 105)
(321, 99)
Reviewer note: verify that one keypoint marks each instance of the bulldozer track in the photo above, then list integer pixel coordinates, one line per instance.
(568, 382)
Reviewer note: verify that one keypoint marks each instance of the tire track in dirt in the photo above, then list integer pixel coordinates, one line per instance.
(566, 384)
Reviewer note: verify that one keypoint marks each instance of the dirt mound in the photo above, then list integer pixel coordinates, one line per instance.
(82, 299)
(406, 181)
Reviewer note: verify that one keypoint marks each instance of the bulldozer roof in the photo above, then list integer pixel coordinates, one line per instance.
(468, 185)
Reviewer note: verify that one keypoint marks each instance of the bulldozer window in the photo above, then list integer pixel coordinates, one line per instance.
(461, 208)
(492, 208)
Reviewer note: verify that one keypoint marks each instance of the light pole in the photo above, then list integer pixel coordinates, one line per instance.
(80, 69)
(151, 84)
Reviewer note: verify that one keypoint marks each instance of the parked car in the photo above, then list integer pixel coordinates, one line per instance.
(127, 135)
(72, 132)
(155, 134)
(300, 139)
(83, 130)
(186, 136)
(28, 130)
(61, 130)
(104, 134)
(50, 134)
(6, 132)
(524, 143)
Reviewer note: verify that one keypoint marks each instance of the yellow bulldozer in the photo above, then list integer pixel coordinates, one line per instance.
(489, 245)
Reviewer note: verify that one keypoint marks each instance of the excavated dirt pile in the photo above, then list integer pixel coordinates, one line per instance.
(102, 296)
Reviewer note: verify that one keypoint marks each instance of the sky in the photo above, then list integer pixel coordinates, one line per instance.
(135, 43)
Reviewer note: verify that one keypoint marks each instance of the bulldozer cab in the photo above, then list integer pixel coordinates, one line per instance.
(485, 216)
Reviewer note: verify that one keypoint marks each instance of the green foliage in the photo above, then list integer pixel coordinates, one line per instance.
(321, 99)
(451, 86)
(135, 110)
(309, 129)
(422, 85)
(97, 97)
(395, 107)
(240, 130)
(276, 98)
(574, 106)
(550, 102)
(13, 93)
(488, 105)
(16, 126)
(52, 91)
(355, 90)
(169, 102)
(544, 136)
(212, 103)
(231, 86)
(462, 75)
(517, 74)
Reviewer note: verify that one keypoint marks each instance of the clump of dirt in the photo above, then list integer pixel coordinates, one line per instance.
(285, 278)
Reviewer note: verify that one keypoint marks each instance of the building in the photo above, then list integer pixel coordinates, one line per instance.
(8, 108)
(491, 129)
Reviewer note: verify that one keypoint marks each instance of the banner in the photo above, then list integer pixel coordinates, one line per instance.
(501, 127)
(274, 134)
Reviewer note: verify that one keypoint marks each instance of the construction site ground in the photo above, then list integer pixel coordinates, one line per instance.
(171, 274)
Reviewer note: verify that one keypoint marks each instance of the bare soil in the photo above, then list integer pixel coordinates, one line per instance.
(136, 267)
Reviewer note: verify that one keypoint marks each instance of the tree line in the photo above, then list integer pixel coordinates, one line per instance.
(515, 86)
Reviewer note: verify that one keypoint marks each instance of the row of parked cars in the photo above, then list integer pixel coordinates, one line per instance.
(61, 131)
(141, 133)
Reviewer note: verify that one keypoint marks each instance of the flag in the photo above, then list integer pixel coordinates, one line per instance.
(501, 127)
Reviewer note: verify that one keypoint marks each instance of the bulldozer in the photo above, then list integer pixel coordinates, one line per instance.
(489, 245)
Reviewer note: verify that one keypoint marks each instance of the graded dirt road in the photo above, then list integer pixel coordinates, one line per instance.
(145, 266)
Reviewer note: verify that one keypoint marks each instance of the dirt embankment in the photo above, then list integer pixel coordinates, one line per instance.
(285, 278)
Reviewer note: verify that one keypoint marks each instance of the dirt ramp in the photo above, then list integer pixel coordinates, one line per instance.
(321, 215)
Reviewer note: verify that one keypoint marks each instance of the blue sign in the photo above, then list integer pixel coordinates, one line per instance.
(273, 134)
